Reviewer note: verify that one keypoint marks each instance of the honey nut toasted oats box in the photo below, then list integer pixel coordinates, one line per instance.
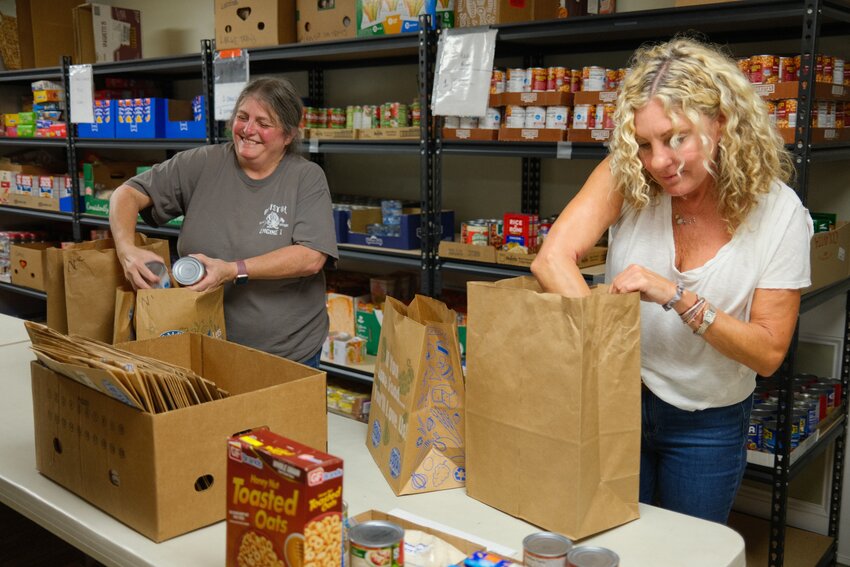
(284, 503)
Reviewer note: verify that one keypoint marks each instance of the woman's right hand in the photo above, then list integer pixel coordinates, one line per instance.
(133, 260)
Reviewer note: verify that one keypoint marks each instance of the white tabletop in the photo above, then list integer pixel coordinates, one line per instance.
(657, 539)
(11, 331)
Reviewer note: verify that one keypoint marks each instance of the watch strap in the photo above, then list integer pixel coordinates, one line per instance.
(241, 272)
(707, 320)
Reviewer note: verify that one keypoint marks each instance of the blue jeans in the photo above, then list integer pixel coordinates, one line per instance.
(692, 461)
(314, 360)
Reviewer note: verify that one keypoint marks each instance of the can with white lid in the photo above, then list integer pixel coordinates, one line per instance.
(188, 270)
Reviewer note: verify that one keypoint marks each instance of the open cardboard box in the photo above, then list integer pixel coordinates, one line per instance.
(165, 474)
(830, 256)
(27, 264)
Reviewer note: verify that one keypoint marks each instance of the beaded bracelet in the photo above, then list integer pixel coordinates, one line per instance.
(677, 297)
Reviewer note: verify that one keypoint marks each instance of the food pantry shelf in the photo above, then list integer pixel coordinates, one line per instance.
(46, 215)
(93, 220)
(23, 290)
(41, 142)
(140, 143)
(362, 372)
(546, 150)
(802, 548)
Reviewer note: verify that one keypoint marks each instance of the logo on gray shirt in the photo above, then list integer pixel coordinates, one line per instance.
(275, 220)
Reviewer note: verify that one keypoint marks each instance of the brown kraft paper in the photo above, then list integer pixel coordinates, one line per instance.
(163, 312)
(553, 405)
(416, 421)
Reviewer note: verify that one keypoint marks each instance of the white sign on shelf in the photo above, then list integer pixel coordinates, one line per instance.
(82, 93)
(230, 75)
(462, 75)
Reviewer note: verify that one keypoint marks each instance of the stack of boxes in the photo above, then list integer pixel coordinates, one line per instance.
(44, 117)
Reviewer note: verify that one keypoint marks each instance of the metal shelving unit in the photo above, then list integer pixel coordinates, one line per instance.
(734, 22)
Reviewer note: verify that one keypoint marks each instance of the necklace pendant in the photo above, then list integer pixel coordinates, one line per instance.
(680, 220)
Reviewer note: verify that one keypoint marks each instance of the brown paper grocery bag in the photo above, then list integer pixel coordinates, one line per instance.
(416, 420)
(54, 280)
(123, 327)
(162, 312)
(90, 274)
(553, 405)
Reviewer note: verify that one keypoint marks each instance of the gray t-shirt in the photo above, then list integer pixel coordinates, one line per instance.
(230, 216)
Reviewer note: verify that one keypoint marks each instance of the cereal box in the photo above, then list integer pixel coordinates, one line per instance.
(284, 503)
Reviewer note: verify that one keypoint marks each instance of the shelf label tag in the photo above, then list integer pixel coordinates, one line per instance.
(230, 75)
(463, 70)
(82, 93)
(314, 145)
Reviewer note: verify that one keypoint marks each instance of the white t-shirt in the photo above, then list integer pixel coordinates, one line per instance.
(770, 250)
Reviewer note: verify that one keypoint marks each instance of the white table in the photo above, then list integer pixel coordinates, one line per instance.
(659, 538)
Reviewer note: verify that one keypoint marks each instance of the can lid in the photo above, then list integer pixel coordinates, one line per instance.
(547, 544)
(376, 533)
(590, 556)
(187, 270)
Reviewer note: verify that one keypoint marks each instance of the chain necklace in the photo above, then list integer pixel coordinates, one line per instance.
(680, 220)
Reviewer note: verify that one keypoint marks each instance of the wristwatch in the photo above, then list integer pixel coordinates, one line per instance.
(241, 273)
(707, 320)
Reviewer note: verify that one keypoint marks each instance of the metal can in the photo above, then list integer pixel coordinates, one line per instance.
(535, 117)
(161, 271)
(772, 114)
(575, 80)
(754, 433)
(744, 66)
(476, 233)
(468, 122)
(515, 116)
(376, 542)
(593, 78)
(539, 79)
(592, 556)
(605, 115)
(584, 116)
(787, 69)
(416, 113)
(188, 270)
(517, 78)
(545, 549)
(497, 81)
(557, 117)
(555, 78)
(611, 80)
(491, 120)
(451, 122)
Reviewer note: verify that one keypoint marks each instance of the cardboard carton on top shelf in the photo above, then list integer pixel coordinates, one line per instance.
(45, 31)
(254, 23)
(324, 20)
(485, 12)
(829, 256)
(165, 474)
(105, 33)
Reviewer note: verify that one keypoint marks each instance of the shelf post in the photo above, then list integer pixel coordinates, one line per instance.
(805, 96)
(71, 151)
(316, 96)
(209, 93)
(841, 440)
(531, 185)
(430, 227)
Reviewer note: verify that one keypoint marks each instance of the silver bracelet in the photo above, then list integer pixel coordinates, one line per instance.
(676, 298)
(707, 320)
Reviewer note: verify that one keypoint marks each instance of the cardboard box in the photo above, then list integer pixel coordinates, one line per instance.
(283, 495)
(389, 17)
(320, 20)
(588, 135)
(186, 119)
(105, 33)
(594, 257)
(472, 13)
(461, 251)
(409, 234)
(254, 23)
(105, 117)
(331, 133)
(165, 474)
(830, 256)
(470, 134)
(341, 310)
(406, 133)
(531, 134)
(140, 118)
(45, 31)
(27, 264)
(548, 98)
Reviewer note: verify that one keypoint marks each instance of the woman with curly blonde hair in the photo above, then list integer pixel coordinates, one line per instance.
(702, 224)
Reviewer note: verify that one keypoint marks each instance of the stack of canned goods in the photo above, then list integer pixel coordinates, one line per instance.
(549, 549)
(482, 232)
(363, 117)
(594, 116)
(814, 399)
(555, 79)
(767, 69)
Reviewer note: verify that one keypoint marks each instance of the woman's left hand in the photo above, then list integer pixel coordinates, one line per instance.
(651, 286)
(218, 272)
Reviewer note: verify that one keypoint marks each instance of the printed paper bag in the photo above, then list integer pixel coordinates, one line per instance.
(92, 274)
(123, 327)
(416, 420)
(553, 405)
(163, 312)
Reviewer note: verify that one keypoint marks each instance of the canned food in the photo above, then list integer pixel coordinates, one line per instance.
(545, 549)
(584, 116)
(605, 116)
(575, 80)
(787, 69)
(555, 78)
(514, 116)
(535, 117)
(376, 542)
(611, 80)
(772, 111)
(754, 434)
(161, 271)
(468, 122)
(492, 119)
(497, 81)
(451, 122)
(557, 116)
(475, 233)
(188, 270)
(592, 556)
(516, 79)
(538, 76)
(593, 78)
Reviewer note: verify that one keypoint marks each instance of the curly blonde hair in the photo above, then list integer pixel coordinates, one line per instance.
(693, 79)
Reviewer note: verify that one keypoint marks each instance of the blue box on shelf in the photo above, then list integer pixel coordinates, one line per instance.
(186, 119)
(341, 218)
(408, 234)
(105, 117)
(140, 118)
